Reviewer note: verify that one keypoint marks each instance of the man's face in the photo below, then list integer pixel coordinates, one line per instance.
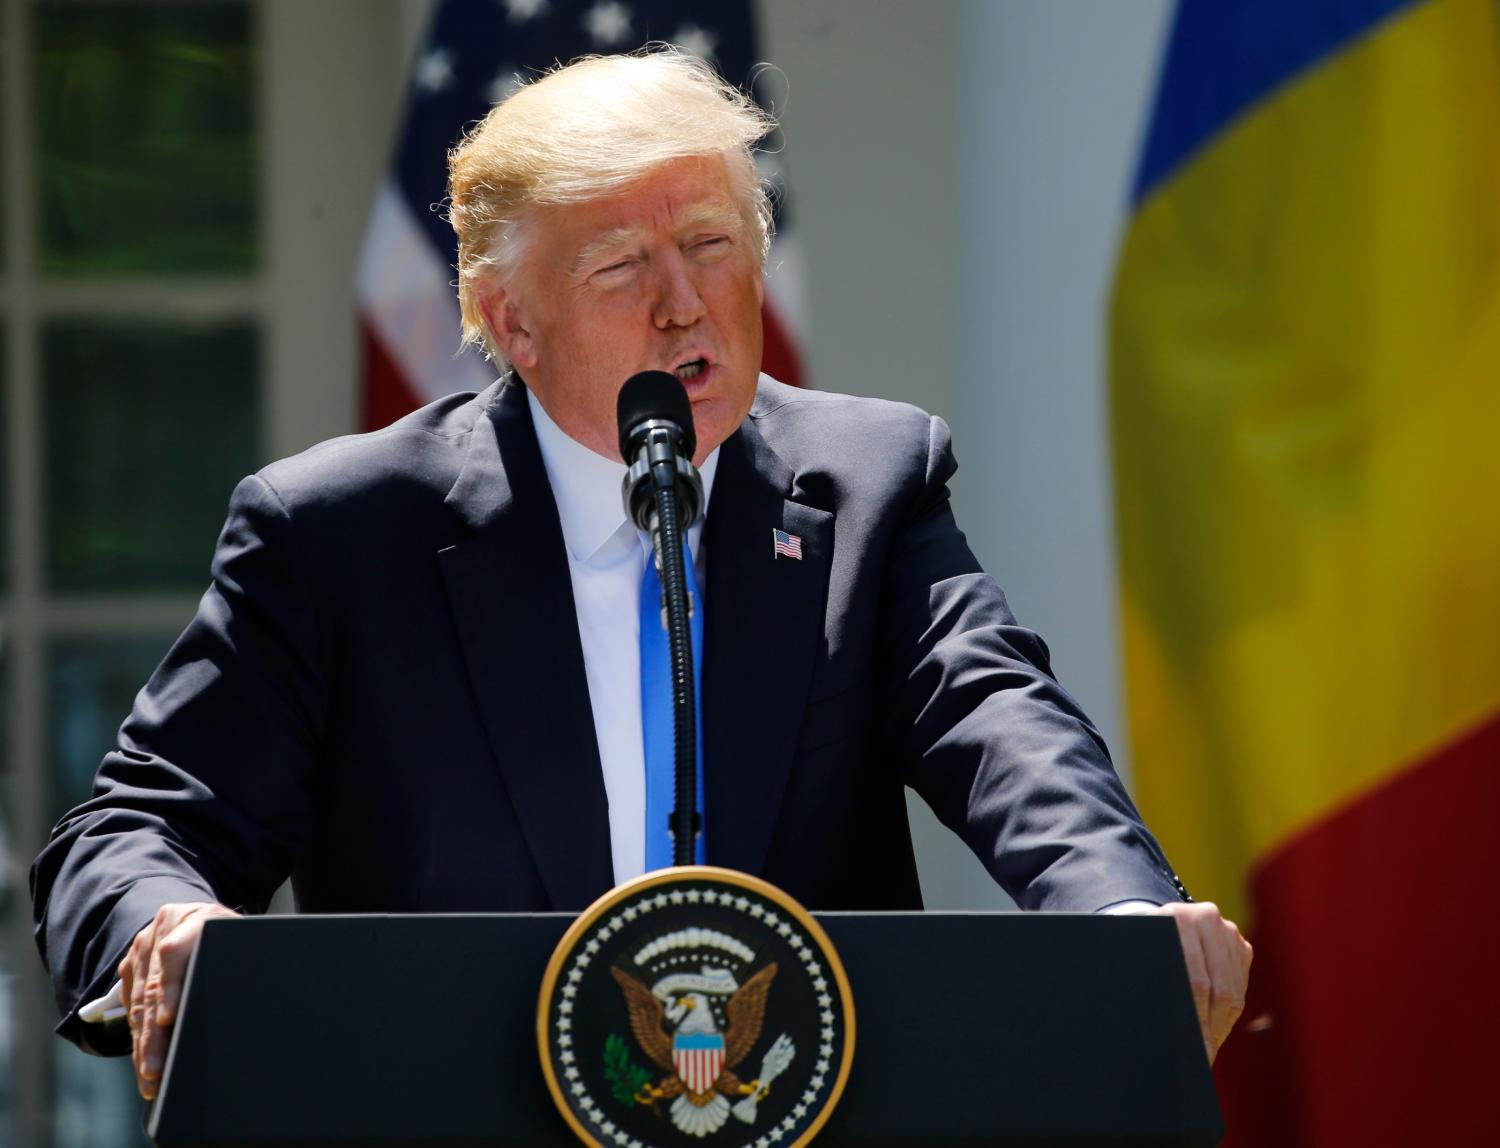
(662, 276)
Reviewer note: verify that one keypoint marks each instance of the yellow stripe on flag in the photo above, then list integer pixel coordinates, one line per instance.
(1305, 370)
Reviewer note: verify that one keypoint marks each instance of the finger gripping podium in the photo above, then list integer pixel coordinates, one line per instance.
(973, 1028)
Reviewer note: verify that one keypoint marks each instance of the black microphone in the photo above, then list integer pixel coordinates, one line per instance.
(663, 495)
(657, 443)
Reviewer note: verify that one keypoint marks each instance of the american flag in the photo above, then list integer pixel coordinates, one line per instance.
(476, 52)
(784, 543)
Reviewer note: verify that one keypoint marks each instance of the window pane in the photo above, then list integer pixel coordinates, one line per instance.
(145, 131)
(8, 990)
(5, 166)
(13, 901)
(91, 685)
(96, 1104)
(4, 462)
(148, 426)
(12, 872)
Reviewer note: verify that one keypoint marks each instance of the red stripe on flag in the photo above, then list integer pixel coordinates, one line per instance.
(1372, 1013)
(385, 395)
(779, 357)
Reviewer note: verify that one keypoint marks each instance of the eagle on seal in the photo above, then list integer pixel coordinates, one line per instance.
(699, 1060)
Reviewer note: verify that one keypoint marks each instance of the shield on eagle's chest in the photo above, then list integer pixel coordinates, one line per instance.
(698, 1058)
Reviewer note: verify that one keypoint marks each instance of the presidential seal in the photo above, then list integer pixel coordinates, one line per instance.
(695, 1006)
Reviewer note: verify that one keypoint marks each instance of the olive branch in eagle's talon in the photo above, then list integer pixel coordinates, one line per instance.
(627, 1080)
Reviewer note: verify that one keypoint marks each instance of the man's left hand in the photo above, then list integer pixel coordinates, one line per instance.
(1218, 965)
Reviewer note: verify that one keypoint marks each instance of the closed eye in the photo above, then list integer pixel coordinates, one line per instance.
(710, 244)
(614, 272)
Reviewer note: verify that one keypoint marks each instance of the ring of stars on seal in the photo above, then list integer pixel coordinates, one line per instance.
(696, 1006)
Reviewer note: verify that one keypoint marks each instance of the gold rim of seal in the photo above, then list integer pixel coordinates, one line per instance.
(590, 916)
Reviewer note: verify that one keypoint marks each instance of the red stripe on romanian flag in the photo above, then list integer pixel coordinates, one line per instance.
(1370, 1021)
(1305, 367)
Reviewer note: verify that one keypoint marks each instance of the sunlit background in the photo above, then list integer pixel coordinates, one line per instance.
(186, 186)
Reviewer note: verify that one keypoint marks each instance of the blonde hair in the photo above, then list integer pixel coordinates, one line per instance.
(587, 129)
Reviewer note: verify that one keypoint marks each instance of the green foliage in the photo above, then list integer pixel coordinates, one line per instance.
(147, 426)
(147, 138)
(625, 1077)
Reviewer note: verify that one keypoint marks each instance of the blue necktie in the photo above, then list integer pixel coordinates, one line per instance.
(656, 712)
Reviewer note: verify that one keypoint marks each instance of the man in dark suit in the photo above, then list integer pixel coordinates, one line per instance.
(384, 693)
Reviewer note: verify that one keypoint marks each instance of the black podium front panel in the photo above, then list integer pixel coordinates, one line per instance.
(1059, 1029)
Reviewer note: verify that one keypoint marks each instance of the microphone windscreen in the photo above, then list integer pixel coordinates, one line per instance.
(654, 395)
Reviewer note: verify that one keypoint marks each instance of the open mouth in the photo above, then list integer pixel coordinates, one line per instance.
(691, 369)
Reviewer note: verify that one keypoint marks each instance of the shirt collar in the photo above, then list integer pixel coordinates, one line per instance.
(587, 485)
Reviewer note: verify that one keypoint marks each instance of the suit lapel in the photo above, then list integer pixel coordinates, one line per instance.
(763, 631)
(512, 599)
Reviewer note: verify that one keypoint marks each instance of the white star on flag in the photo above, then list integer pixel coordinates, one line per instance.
(520, 11)
(608, 22)
(435, 70)
(693, 39)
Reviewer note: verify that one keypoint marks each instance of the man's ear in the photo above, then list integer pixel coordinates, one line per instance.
(508, 326)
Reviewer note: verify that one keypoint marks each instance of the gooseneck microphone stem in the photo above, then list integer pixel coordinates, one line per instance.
(667, 538)
(663, 495)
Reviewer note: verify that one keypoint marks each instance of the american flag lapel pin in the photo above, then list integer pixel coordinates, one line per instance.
(784, 544)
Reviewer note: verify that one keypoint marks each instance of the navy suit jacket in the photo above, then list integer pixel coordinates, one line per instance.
(383, 694)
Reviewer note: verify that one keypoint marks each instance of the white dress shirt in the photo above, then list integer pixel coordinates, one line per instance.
(606, 560)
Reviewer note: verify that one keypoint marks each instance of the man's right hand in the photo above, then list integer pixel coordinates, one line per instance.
(151, 983)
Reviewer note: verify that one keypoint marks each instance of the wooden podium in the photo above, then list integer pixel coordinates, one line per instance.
(974, 1028)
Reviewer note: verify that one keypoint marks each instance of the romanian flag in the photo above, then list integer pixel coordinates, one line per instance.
(1305, 382)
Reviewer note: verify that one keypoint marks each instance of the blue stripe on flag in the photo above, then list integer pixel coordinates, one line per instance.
(474, 33)
(1224, 55)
